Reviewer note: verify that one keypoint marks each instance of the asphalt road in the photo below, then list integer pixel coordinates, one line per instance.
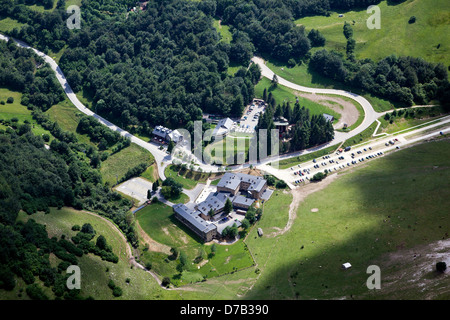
(163, 159)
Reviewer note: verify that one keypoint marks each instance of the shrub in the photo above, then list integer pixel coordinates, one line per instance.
(10, 100)
(441, 266)
(281, 184)
(412, 19)
(165, 281)
(117, 292)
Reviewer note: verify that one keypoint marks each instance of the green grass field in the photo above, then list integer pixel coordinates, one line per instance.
(396, 35)
(223, 30)
(282, 93)
(9, 111)
(301, 74)
(119, 163)
(397, 202)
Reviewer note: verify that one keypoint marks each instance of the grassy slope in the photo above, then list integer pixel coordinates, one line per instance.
(94, 277)
(396, 34)
(120, 162)
(376, 209)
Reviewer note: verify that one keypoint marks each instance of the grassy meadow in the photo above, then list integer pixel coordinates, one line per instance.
(428, 37)
(368, 212)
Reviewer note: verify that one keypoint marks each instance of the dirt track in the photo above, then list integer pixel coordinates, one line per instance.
(300, 194)
(347, 110)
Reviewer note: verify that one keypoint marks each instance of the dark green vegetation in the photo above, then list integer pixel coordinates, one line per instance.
(163, 66)
(406, 80)
(23, 71)
(308, 131)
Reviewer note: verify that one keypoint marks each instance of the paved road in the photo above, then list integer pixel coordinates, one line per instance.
(163, 160)
(159, 155)
(370, 115)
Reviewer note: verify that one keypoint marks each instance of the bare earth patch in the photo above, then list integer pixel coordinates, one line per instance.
(152, 244)
(347, 110)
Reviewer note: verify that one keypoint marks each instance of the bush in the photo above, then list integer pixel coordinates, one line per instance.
(165, 281)
(76, 228)
(117, 292)
(412, 20)
(319, 176)
(10, 100)
(441, 266)
(281, 184)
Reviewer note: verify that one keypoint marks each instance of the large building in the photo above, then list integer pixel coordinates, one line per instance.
(235, 182)
(241, 189)
(205, 230)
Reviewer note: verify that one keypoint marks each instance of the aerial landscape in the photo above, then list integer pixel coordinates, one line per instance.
(224, 150)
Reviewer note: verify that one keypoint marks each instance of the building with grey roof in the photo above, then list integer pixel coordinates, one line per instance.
(328, 117)
(205, 230)
(166, 134)
(223, 127)
(234, 182)
(241, 202)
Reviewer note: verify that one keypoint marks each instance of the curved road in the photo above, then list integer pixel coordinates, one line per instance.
(162, 159)
(370, 115)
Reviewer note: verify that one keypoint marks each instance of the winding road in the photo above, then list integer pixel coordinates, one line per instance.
(163, 159)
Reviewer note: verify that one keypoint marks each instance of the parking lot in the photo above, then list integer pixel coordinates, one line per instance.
(302, 173)
(136, 188)
(250, 118)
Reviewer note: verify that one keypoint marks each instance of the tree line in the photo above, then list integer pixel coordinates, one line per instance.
(305, 131)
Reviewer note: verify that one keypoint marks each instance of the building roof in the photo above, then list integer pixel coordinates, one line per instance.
(223, 126)
(257, 185)
(328, 117)
(215, 201)
(233, 180)
(243, 201)
(230, 181)
(193, 217)
(167, 134)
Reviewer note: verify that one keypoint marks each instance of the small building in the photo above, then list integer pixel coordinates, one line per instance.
(346, 266)
(260, 232)
(223, 127)
(328, 117)
(281, 124)
(165, 135)
(241, 202)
